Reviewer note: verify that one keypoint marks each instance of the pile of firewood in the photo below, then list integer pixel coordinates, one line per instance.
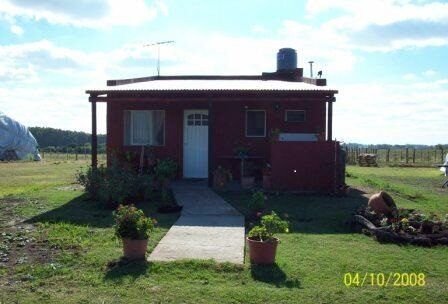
(367, 160)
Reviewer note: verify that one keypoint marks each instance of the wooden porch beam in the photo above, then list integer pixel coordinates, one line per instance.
(94, 133)
(330, 119)
(96, 98)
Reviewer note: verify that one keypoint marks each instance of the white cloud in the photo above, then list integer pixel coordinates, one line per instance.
(17, 30)
(386, 25)
(410, 76)
(51, 107)
(430, 73)
(392, 113)
(379, 12)
(84, 13)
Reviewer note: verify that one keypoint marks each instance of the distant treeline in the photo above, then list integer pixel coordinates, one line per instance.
(57, 140)
(396, 147)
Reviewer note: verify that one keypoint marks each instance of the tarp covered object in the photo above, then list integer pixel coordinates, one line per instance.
(17, 138)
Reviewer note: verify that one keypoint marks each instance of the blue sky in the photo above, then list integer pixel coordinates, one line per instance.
(387, 58)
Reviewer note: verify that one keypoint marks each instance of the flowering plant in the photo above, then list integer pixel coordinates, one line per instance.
(270, 224)
(131, 223)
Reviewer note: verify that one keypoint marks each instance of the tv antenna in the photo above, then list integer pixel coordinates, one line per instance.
(158, 44)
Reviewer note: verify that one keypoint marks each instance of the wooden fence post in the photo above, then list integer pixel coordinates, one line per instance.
(413, 156)
(387, 155)
(407, 155)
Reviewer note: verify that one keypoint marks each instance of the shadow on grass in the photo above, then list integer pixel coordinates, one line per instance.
(123, 269)
(314, 214)
(82, 211)
(272, 274)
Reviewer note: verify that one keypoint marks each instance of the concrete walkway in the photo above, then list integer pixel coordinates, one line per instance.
(208, 228)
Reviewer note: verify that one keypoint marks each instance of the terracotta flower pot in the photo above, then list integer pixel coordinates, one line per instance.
(262, 252)
(382, 203)
(134, 249)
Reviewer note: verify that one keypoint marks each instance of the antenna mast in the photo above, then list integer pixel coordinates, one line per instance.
(158, 52)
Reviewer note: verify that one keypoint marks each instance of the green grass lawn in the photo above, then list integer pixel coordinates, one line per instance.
(62, 249)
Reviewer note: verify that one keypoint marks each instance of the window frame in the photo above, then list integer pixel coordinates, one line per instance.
(246, 123)
(291, 110)
(131, 125)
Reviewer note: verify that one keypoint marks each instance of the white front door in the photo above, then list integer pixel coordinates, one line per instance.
(196, 143)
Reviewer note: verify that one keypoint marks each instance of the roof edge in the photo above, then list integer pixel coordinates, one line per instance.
(117, 82)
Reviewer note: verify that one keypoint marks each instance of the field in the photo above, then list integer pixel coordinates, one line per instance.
(56, 246)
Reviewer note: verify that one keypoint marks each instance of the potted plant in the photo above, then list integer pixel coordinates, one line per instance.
(134, 228)
(221, 177)
(261, 241)
(267, 171)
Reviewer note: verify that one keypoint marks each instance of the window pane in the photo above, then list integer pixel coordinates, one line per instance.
(197, 116)
(197, 122)
(141, 124)
(190, 122)
(144, 128)
(205, 122)
(295, 116)
(191, 116)
(255, 123)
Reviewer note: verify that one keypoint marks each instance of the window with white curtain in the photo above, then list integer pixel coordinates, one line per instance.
(144, 128)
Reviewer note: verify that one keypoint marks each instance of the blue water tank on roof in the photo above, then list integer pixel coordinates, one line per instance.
(286, 59)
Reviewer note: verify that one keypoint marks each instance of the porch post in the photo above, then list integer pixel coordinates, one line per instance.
(330, 119)
(210, 143)
(92, 99)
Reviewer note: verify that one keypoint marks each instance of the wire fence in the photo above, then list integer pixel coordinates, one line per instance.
(407, 156)
(59, 156)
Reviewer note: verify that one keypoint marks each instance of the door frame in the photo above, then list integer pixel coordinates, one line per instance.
(184, 125)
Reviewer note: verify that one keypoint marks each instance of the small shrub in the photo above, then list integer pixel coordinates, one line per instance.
(132, 223)
(257, 201)
(165, 170)
(115, 184)
(91, 179)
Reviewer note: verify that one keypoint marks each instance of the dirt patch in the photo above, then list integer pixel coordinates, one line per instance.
(8, 216)
(20, 243)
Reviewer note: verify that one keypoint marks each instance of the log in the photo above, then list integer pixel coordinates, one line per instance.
(365, 222)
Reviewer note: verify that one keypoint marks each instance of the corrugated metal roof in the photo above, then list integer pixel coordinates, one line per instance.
(213, 85)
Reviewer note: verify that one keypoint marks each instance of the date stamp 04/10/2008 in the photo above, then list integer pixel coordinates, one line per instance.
(381, 279)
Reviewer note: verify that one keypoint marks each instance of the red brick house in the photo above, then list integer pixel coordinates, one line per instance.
(284, 119)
